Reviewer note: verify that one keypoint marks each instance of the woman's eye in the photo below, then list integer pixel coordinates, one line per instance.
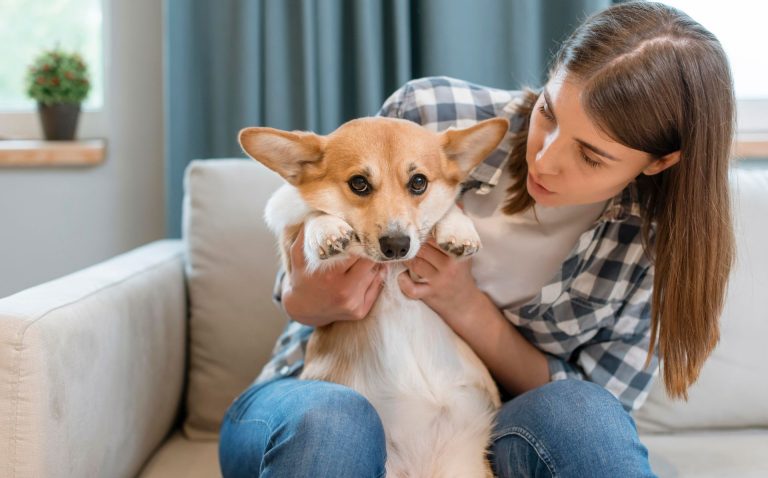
(418, 184)
(545, 112)
(359, 185)
(590, 162)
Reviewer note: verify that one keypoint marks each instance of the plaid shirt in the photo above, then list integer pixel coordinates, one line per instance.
(592, 320)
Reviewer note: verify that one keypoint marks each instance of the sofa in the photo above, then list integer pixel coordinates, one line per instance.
(125, 368)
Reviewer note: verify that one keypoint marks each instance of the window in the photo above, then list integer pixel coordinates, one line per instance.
(28, 27)
(31, 26)
(741, 27)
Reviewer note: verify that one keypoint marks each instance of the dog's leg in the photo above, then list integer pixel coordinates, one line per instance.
(456, 234)
(326, 237)
(285, 208)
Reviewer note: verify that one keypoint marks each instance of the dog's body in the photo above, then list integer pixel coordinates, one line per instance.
(435, 397)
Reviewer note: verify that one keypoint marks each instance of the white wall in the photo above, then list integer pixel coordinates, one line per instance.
(54, 221)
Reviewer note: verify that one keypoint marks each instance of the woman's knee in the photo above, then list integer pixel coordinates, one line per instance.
(336, 414)
(573, 405)
(567, 427)
(302, 425)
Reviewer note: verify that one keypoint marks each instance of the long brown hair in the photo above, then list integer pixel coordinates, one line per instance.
(657, 81)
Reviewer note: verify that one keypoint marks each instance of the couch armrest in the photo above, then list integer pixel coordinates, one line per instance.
(92, 366)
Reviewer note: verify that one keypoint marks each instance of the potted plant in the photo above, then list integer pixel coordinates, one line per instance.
(58, 81)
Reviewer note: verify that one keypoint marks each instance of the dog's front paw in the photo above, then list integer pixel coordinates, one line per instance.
(456, 234)
(325, 237)
(458, 247)
(330, 245)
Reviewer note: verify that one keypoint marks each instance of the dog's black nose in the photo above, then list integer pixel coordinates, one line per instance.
(395, 247)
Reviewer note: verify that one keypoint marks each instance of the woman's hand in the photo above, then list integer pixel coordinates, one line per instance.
(346, 291)
(443, 282)
(450, 290)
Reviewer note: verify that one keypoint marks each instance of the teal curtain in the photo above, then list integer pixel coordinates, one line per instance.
(314, 64)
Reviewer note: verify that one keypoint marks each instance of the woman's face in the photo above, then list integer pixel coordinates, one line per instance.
(570, 161)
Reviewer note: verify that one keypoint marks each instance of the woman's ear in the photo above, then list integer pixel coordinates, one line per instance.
(662, 163)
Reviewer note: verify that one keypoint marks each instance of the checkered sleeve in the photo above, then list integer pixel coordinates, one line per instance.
(616, 355)
(400, 104)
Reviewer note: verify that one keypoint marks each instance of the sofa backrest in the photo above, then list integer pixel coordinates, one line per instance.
(732, 390)
(231, 262)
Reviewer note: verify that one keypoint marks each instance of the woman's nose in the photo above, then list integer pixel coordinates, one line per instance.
(548, 157)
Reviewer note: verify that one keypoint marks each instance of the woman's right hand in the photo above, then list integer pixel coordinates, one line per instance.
(345, 291)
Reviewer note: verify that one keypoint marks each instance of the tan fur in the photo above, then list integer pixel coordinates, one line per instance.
(286, 240)
(434, 395)
(342, 344)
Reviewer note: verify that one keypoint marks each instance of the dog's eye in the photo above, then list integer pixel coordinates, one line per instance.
(359, 185)
(418, 184)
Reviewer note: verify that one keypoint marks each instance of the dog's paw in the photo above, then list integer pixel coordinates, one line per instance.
(456, 234)
(326, 237)
(458, 247)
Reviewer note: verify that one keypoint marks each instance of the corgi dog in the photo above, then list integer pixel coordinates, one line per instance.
(379, 187)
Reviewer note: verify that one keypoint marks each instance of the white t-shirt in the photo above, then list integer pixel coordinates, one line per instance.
(520, 255)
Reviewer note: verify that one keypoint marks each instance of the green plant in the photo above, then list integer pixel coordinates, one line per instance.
(58, 77)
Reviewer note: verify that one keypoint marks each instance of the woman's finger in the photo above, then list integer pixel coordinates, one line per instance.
(432, 253)
(411, 289)
(361, 271)
(297, 249)
(421, 267)
(374, 289)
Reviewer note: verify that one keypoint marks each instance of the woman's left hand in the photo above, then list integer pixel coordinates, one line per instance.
(444, 283)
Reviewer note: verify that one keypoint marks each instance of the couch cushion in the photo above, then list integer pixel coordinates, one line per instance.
(709, 454)
(181, 457)
(231, 261)
(732, 390)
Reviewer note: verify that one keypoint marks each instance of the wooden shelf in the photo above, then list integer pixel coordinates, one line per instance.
(752, 145)
(40, 153)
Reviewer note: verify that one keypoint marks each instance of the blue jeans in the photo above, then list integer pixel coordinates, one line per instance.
(300, 428)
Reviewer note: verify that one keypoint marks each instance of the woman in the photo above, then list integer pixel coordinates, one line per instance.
(606, 229)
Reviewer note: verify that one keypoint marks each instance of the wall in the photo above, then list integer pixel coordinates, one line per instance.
(55, 221)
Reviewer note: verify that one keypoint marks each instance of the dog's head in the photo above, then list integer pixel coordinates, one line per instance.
(390, 179)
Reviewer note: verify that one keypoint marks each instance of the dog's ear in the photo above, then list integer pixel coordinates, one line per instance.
(286, 153)
(467, 147)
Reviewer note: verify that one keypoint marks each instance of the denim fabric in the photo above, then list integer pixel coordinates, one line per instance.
(567, 428)
(301, 428)
(287, 427)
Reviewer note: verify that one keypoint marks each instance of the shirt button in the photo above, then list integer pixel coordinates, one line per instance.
(284, 370)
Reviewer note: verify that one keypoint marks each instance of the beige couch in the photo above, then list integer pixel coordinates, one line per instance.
(125, 368)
